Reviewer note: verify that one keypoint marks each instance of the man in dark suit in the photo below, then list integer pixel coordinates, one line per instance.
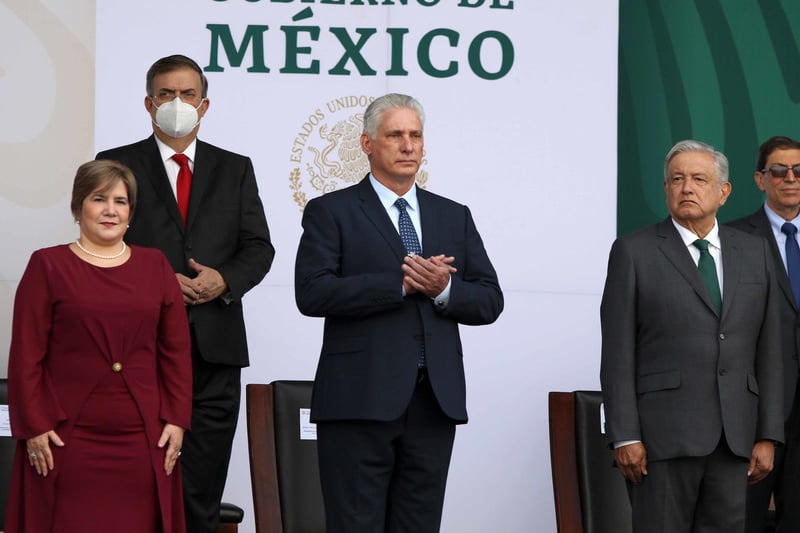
(778, 158)
(690, 369)
(203, 211)
(390, 385)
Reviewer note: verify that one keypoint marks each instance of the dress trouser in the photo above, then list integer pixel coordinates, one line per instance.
(692, 494)
(207, 447)
(387, 477)
(784, 480)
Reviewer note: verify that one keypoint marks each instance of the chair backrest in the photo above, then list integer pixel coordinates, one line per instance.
(7, 447)
(590, 494)
(283, 467)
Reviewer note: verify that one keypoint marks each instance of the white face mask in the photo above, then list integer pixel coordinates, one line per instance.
(176, 118)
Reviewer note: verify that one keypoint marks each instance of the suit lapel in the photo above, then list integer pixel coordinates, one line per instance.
(673, 247)
(202, 174)
(762, 227)
(157, 175)
(429, 220)
(375, 212)
(731, 266)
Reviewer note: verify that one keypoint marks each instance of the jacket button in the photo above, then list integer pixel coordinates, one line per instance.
(117, 367)
(722, 336)
(722, 371)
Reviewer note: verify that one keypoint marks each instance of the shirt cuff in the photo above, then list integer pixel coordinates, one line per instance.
(443, 298)
(621, 443)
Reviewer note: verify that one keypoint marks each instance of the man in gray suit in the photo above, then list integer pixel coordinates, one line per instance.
(691, 370)
(778, 158)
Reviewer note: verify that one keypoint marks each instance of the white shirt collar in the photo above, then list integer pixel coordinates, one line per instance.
(777, 221)
(688, 237)
(167, 152)
(389, 197)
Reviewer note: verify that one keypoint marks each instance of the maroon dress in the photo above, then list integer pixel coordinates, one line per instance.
(102, 356)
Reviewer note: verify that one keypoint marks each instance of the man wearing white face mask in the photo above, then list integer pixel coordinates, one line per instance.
(199, 204)
(176, 118)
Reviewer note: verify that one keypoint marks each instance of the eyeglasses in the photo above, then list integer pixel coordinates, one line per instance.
(780, 171)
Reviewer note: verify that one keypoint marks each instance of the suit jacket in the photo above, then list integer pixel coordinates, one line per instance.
(674, 373)
(758, 224)
(226, 229)
(348, 271)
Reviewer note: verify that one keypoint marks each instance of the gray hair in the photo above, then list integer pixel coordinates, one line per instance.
(375, 110)
(720, 161)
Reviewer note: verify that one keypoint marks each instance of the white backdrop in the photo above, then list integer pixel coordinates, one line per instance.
(532, 153)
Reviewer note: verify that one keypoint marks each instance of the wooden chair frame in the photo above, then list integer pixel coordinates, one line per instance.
(263, 463)
(563, 462)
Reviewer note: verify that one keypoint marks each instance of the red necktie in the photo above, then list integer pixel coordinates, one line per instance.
(184, 185)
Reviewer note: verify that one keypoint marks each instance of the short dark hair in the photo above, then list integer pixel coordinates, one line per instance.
(101, 174)
(778, 142)
(174, 62)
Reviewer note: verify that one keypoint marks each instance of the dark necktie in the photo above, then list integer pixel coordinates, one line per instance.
(411, 242)
(792, 259)
(184, 185)
(708, 271)
(406, 228)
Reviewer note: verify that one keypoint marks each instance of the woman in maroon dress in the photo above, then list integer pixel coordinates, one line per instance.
(99, 376)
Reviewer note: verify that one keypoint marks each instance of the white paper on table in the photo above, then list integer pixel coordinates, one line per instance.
(602, 420)
(5, 422)
(308, 430)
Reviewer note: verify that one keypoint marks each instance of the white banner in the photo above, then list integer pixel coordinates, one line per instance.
(520, 98)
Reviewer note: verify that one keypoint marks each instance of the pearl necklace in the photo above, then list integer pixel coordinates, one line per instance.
(87, 252)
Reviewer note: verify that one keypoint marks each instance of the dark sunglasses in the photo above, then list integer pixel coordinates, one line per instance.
(780, 171)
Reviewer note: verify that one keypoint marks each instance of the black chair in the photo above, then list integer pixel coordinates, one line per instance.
(284, 471)
(589, 492)
(230, 515)
(7, 447)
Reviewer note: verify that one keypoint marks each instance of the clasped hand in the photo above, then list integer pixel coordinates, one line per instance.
(428, 276)
(206, 286)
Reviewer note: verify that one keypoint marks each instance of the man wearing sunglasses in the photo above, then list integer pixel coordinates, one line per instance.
(778, 175)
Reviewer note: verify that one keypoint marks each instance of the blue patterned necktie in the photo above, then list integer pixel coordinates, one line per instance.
(406, 228)
(708, 271)
(410, 240)
(792, 260)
